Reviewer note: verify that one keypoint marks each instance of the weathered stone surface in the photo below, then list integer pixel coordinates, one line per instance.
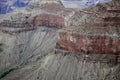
(49, 20)
(17, 31)
(25, 47)
(30, 55)
(112, 19)
(95, 58)
(93, 44)
(114, 10)
(96, 35)
(60, 67)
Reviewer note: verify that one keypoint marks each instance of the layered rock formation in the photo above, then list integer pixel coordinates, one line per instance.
(90, 44)
(65, 44)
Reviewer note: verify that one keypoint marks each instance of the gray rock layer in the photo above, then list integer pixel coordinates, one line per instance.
(60, 67)
(19, 49)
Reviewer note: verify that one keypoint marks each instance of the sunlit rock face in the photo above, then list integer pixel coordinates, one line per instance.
(46, 41)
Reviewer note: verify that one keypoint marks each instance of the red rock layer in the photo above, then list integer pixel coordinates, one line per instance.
(49, 20)
(112, 19)
(113, 10)
(90, 44)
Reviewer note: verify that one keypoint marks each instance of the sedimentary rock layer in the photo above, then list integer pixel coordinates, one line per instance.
(93, 44)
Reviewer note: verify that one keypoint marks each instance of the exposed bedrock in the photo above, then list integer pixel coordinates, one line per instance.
(90, 44)
(71, 45)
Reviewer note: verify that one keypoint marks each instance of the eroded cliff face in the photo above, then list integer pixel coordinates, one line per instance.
(70, 45)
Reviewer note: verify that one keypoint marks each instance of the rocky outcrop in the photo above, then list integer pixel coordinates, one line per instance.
(91, 44)
(87, 48)
(100, 36)
(49, 20)
(26, 23)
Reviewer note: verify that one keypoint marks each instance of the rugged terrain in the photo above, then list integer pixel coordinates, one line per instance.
(46, 41)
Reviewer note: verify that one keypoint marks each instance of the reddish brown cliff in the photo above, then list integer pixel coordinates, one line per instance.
(98, 35)
(93, 44)
(49, 20)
